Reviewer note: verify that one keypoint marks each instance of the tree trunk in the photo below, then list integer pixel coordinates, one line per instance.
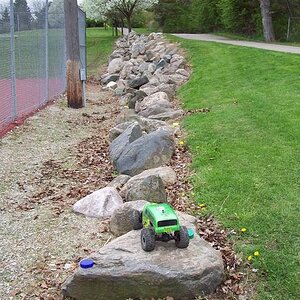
(265, 8)
(129, 24)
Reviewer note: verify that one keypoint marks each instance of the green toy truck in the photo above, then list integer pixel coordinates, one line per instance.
(159, 223)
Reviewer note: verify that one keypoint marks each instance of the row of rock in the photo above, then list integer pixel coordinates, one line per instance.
(144, 72)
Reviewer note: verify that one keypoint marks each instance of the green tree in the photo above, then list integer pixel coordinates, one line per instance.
(5, 21)
(23, 16)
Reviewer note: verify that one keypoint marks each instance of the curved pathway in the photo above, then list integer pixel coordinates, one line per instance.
(224, 40)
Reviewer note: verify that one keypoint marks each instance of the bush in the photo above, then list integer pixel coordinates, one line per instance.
(94, 23)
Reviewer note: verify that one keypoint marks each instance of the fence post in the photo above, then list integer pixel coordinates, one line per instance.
(47, 51)
(13, 59)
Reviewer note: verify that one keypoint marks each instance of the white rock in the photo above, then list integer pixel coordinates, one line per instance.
(100, 204)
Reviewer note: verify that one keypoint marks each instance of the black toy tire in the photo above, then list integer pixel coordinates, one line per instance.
(182, 238)
(136, 220)
(147, 239)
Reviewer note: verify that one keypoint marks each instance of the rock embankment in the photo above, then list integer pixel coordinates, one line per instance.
(144, 72)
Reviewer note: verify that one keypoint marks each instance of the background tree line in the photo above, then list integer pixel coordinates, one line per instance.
(34, 18)
(233, 16)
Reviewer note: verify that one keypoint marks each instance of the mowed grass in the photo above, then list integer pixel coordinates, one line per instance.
(100, 44)
(246, 154)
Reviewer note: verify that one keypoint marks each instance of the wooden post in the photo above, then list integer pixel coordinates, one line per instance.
(74, 83)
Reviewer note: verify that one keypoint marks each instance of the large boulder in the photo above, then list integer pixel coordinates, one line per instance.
(167, 175)
(132, 133)
(118, 129)
(149, 187)
(100, 204)
(149, 151)
(159, 97)
(115, 66)
(133, 273)
(121, 219)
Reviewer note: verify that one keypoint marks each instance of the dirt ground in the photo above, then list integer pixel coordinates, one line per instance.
(57, 157)
(46, 165)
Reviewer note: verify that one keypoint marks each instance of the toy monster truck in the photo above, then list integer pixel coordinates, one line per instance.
(160, 223)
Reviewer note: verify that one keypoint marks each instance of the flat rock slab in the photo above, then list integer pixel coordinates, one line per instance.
(123, 270)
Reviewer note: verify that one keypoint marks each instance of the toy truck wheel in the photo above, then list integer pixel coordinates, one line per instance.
(182, 238)
(136, 219)
(147, 239)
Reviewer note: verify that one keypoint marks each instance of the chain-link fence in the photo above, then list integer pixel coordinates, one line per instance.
(32, 58)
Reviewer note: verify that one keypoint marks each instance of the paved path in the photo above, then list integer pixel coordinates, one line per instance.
(224, 40)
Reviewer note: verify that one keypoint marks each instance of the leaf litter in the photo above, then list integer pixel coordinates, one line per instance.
(44, 239)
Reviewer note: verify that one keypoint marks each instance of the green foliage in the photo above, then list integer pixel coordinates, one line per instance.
(233, 16)
(93, 23)
(22, 14)
(4, 21)
(246, 154)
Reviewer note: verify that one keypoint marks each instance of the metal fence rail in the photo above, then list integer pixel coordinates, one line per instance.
(32, 59)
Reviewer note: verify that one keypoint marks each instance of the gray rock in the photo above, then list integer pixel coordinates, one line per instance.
(149, 151)
(149, 187)
(168, 58)
(178, 79)
(100, 204)
(152, 68)
(138, 82)
(178, 61)
(138, 96)
(132, 133)
(156, 98)
(156, 109)
(170, 114)
(109, 78)
(126, 70)
(150, 55)
(118, 129)
(115, 66)
(147, 125)
(183, 72)
(124, 100)
(167, 175)
(120, 91)
(143, 67)
(150, 125)
(169, 89)
(119, 181)
(149, 90)
(166, 271)
(161, 64)
(120, 221)
(126, 115)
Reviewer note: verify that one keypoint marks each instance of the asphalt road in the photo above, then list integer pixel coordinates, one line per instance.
(224, 40)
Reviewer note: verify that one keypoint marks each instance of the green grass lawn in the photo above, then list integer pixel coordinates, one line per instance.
(99, 46)
(142, 30)
(246, 153)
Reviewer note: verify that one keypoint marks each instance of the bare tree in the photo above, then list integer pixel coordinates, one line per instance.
(265, 8)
